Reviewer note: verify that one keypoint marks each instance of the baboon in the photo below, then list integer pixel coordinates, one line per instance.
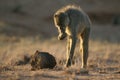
(73, 22)
(42, 60)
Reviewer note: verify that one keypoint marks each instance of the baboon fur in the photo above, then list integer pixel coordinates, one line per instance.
(41, 60)
(72, 22)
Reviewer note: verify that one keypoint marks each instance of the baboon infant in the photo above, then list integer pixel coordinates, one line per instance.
(42, 60)
(72, 22)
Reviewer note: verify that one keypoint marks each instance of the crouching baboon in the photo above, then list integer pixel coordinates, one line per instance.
(72, 22)
(41, 60)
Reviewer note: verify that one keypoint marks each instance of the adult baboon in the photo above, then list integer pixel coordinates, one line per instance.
(72, 22)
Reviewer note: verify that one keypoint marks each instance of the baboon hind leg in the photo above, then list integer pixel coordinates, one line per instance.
(70, 51)
(84, 43)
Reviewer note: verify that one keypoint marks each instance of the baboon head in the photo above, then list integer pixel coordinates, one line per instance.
(34, 59)
(61, 20)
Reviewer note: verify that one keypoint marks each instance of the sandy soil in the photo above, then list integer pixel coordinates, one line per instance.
(24, 31)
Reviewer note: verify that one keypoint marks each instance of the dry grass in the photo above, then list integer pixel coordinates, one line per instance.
(21, 34)
(103, 60)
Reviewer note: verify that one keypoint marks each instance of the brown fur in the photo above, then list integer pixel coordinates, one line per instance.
(42, 60)
(74, 23)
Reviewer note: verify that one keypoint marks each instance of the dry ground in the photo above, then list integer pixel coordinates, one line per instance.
(31, 28)
(103, 62)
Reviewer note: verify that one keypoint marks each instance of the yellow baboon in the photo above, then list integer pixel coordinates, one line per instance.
(72, 22)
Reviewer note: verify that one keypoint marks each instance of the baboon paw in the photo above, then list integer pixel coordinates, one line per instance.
(68, 64)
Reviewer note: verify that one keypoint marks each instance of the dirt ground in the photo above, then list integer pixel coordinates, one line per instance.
(27, 26)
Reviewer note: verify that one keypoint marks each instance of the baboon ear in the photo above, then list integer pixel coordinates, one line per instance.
(55, 15)
(36, 52)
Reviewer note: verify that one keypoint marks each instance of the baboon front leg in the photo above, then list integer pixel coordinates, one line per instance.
(70, 51)
(84, 47)
(68, 48)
